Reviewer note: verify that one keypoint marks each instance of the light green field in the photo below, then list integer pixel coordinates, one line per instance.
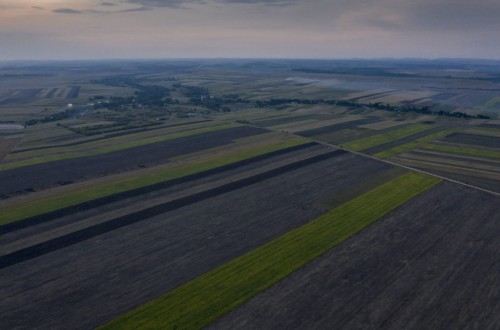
(463, 151)
(103, 150)
(208, 297)
(18, 211)
(414, 144)
(375, 140)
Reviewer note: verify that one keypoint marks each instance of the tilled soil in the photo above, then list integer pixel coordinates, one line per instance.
(431, 264)
(69, 170)
(85, 284)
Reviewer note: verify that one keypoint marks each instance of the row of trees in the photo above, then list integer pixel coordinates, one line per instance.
(379, 106)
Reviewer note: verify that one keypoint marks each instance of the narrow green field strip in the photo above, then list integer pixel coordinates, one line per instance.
(484, 130)
(371, 141)
(18, 211)
(122, 136)
(116, 147)
(446, 168)
(414, 144)
(462, 150)
(206, 298)
(364, 187)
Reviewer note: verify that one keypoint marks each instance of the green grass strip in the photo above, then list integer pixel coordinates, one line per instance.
(107, 149)
(206, 298)
(414, 144)
(463, 151)
(15, 212)
(375, 140)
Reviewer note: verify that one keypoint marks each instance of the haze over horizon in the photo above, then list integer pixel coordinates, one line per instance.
(114, 29)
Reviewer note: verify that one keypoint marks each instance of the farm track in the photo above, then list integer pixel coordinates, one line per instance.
(101, 227)
(416, 169)
(479, 179)
(400, 273)
(99, 202)
(152, 257)
(77, 169)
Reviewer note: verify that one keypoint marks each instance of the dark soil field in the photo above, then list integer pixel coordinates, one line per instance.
(88, 283)
(431, 264)
(336, 127)
(20, 96)
(108, 136)
(474, 139)
(78, 212)
(69, 170)
(286, 120)
(73, 92)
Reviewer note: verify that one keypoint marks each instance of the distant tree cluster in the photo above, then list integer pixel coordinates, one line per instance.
(379, 106)
(66, 114)
(201, 96)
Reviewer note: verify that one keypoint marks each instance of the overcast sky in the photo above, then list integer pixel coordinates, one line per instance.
(80, 29)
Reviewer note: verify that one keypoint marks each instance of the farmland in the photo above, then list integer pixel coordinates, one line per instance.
(249, 194)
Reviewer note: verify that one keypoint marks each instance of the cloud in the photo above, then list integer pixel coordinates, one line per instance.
(180, 3)
(37, 7)
(108, 4)
(277, 3)
(164, 3)
(67, 11)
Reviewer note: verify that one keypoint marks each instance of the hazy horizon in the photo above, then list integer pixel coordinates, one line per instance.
(248, 29)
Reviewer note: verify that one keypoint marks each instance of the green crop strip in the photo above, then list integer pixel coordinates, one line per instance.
(414, 144)
(116, 147)
(19, 211)
(206, 298)
(375, 140)
(463, 151)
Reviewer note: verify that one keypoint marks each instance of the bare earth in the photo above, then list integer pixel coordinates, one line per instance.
(431, 264)
(93, 281)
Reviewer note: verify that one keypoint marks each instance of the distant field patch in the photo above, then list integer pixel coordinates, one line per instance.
(286, 120)
(94, 124)
(73, 92)
(414, 144)
(372, 141)
(473, 139)
(463, 150)
(208, 297)
(19, 96)
(336, 127)
(117, 147)
(383, 124)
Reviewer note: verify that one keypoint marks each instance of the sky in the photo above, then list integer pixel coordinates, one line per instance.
(113, 29)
